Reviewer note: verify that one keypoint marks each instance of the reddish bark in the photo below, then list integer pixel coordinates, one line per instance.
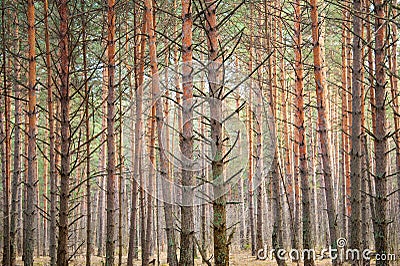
(163, 165)
(300, 134)
(323, 125)
(30, 185)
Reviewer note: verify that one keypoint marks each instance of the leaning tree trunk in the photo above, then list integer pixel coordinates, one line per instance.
(323, 126)
(30, 184)
(380, 135)
(186, 142)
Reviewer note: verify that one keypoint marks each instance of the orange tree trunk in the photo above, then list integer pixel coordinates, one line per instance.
(299, 83)
(323, 126)
(30, 184)
(300, 134)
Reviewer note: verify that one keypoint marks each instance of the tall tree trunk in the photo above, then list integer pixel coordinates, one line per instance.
(250, 152)
(300, 135)
(110, 231)
(87, 139)
(7, 188)
(30, 185)
(380, 138)
(139, 75)
(14, 229)
(146, 250)
(323, 126)
(348, 122)
(356, 147)
(344, 137)
(7, 155)
(277, 238)
(395, 98)
(186, 142)
(249, 126)
(5, 258)
(221, 245)
(364, 174)
(3, 167)
(172, 258)
(53, 173)
(285, 98)
(258, 162)
(62, 249)
(102, 165)
(299, 84)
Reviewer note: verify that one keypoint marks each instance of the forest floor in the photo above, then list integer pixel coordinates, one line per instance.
(236, 258)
